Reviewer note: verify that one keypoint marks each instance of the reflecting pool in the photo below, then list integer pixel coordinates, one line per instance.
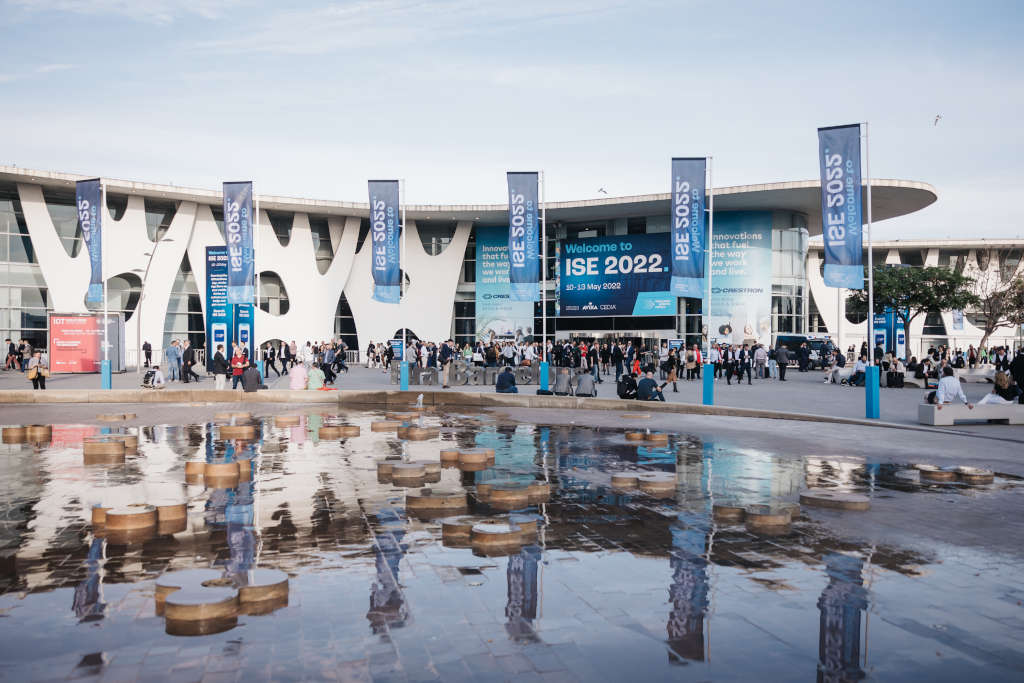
(531, 565)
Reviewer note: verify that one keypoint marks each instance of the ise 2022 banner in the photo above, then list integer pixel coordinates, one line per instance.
(623, 275)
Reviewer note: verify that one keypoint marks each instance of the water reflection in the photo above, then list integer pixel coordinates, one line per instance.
(841, 604)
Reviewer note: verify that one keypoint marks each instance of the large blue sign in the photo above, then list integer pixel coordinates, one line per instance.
(626, 275)
(497, 315)
(385, 232)
(523, 237)
(741, 278)
(688, 187)
(238, 233)
(839, 157)
(219, 316)
(89, 198)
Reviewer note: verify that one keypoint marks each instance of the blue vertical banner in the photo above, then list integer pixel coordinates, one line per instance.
(385, 231)
(841, 224)
(523, 237)
(244, 327)
(238, 232)
(219, 316)
(688, 239)
(89, 199)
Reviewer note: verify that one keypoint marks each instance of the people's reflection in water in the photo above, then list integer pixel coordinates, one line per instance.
(521, 608)
(387, 603)
(840, 605)
(241, 535)
(688, 595)
(88, 602)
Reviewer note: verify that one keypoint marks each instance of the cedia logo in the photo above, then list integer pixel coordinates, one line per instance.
(590, 306)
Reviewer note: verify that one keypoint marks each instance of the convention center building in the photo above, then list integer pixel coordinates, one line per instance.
(314, 282)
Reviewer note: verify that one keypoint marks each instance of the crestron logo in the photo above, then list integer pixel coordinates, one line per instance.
(590, 306)
(496, 296)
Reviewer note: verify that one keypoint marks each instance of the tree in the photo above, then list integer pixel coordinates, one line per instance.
(910, 291)
(1000, 291)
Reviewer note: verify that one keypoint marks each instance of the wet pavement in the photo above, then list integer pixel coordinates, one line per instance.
(616, 584)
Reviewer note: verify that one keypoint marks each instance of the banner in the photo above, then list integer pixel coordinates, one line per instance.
(76, 342)
(497, 315)
(238, 232)
(244, 333)
(386, 231)
(688, 188)
(89, 199)
(622, 275)
(219, 316)
(841, 224)
(741, 278)
(523, 237)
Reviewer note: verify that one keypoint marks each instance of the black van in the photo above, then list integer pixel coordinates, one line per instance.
(817, 344)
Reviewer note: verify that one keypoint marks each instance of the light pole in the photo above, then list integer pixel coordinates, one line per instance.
(138, 306)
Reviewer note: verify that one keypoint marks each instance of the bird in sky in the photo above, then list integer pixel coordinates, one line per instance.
(602, 190)
(937, 117)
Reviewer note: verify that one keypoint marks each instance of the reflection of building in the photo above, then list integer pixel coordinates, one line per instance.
(88, 602)
(688, 595)
(314, 265)
(840, 604)
(523, 594)
(388, 608)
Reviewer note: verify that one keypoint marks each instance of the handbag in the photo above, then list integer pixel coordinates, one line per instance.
(33, 372)
(44, 371)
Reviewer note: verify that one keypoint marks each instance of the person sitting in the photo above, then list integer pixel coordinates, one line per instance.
(506, 382)
(648, 390)
(297, 377)
(251, 379)
(585, 385)
(859, 372)
(315, 377)
(1002, 391)
(949, 388)
(156, 378)
(562, 383)
(894, 378)
(626, 386)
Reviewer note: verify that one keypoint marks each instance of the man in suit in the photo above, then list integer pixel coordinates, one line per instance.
(743, 360)
(445, 357)
(147, 350)
(188, 359)
(617, 358)
(221, 369)
(782, 358)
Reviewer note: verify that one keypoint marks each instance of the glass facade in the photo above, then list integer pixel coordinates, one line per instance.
(24, 299)
(789, 273)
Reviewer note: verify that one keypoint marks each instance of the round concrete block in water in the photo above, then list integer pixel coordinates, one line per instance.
(430, 466)
(39, 433)
(237, 431)
(195, 468)
(827, 498)
(656, 438)
(539, 492)
(509, 496)
(635, 436)
(99, 514)
(185, 578)
(170, 510)
(403, 416)
(455, 531)
(758, 516)
(527, 524)
(624, 480)
(415, 433)
(449, 456)
(496, 537)
(728, 513)
(385, 425)
(130, 517)
(207, 603)
(259, 585)
(287, 421)
(229, 416)
(15, 434)
(102, 445)
(435, 499)
(975, 476)
(408, 470)
(657, 483)
(933, 473)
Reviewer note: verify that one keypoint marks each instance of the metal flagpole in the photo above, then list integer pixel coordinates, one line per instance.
(105, 380)
(401, 259)
(871, 407)
(708, 383)
(543, 272)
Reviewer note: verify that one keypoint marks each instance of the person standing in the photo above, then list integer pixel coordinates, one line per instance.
(38, 370)
(147, 351)
(803, 354)
(188, 360)
(238, 365)
(782, 358)
(617, 359)
(715, 358)
(220, 368)
(270, 358)
(761, 361)
(744, 360)
(173, 356)
(445, 356)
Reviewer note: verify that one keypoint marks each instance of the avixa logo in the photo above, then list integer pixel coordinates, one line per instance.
(590, 306)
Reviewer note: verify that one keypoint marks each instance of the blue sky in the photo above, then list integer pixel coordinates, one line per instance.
(311, 99)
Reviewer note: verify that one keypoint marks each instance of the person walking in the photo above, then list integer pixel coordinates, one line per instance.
(760, 361)
(38, 370)
(173, 357)
(220, 368)
(188, 360)
(782, 359)
(270, 359)
(744, 360)
(617, 359)
(147, 351)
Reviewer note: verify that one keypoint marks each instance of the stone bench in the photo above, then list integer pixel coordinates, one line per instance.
(929, 414)
(980, 375)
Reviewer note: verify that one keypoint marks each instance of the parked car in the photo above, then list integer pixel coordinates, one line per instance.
(818, 344)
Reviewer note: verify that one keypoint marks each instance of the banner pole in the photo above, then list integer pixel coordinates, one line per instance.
(543, 288)
(105, 378)
(871, 382)
(254, 355)
(404, 364)
(708, 397)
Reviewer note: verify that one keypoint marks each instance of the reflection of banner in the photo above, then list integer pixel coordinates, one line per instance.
(76, 342)
(219, 318)
(688, 186)
(238, 232)
(88, 198)
(741, 281)
(839, 158)
(385, 231)
(523, 237)
(497, 315)
(604, 276)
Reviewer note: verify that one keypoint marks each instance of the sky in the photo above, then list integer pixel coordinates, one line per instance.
(311, 99)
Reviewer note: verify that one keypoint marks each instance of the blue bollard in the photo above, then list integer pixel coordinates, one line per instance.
(105, 379)
(259, 366)
(709, 384)
(404, 375)
(871, 392)
(543, 376)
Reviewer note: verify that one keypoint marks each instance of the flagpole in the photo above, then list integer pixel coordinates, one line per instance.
(544, 272)
(403, 364)
(871, 383)
(708, 386)
(105, 379)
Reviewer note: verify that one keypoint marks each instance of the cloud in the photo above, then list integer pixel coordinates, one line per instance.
(148, 11)
(354, 25)
(49, 68)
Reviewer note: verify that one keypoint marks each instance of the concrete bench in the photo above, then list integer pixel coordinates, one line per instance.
(929, 414)
(980, 375)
